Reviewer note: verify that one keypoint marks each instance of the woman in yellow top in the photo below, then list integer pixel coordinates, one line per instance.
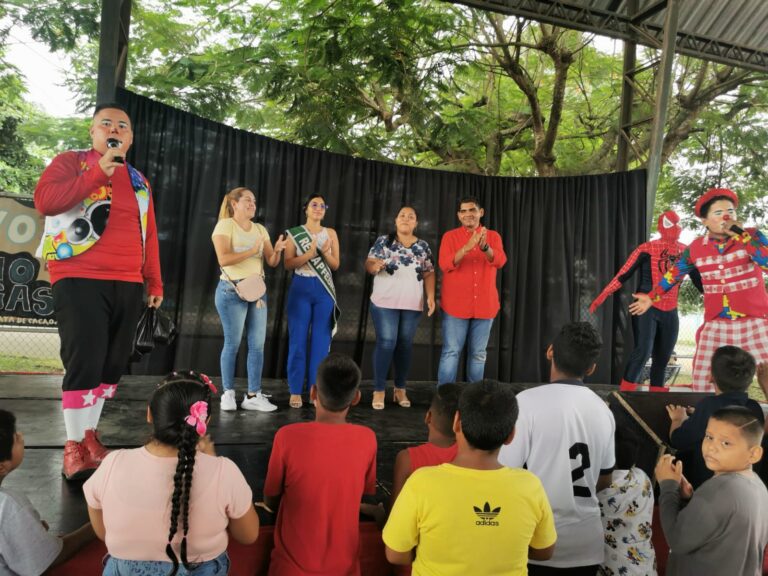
(242, 247)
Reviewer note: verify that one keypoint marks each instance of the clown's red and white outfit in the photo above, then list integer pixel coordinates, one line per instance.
(101, 247)
(656, 331)
(735, 300)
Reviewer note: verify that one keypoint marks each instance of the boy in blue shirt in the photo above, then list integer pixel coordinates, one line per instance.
(732, 372)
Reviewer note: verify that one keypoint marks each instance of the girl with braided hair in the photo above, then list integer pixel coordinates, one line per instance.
(165, 508)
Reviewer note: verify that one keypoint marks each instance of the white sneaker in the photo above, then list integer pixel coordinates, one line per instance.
(258, 402)
(228, 400)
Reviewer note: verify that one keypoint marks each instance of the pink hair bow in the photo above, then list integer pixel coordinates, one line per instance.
(207, 381)
(198, 414)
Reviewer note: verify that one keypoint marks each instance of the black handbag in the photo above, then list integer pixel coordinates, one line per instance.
(165, 328)
(154, 327)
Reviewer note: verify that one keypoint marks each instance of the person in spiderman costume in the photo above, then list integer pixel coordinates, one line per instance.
(656, 332)
(731, 260)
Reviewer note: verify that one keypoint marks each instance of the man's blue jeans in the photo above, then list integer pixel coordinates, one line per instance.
(456, 331)
(238, 315)
(394, 338)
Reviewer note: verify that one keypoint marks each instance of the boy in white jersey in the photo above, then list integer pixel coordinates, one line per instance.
(564, 435)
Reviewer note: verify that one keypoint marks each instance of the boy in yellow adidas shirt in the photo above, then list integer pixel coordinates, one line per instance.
(473, 516)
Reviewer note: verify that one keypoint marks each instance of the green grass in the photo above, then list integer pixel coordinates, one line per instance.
(756, 393)
(26, 364)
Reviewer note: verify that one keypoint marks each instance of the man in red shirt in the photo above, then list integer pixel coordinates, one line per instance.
(100, 246)
(318, 472)
(469, 258)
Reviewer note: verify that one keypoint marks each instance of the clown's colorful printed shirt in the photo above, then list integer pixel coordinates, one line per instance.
(626, 507)
(731, 272)
(109, 232)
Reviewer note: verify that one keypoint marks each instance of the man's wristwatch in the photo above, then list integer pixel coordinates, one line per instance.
(487, 246)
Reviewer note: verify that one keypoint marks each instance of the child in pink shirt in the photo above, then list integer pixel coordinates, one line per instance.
(171, 501)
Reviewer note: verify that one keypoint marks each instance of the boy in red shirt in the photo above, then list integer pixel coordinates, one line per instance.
(317, 475)
(441, 442)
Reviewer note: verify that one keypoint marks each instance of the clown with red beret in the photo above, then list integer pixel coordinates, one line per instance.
(655, 332)
(731, 261)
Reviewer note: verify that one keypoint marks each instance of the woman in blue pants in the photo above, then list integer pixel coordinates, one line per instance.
(313, 254)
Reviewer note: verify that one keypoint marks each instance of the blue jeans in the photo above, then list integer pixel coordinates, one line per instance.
(236, 315)
(394, 337)
(310, 308)
(655, 335)
(219, 566)
(455, 332)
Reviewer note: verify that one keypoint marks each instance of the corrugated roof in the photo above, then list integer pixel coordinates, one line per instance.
(729, 31)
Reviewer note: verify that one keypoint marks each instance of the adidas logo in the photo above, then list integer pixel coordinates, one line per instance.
(486, 515)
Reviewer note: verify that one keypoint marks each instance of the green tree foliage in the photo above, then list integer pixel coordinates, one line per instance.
(424, 83)
(17, 166)
(732, 155)
(419, 82)
(61, 24)
(28, 137)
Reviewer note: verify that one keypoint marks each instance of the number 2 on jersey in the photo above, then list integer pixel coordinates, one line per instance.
(579, 449)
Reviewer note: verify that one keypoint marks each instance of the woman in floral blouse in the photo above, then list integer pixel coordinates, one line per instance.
(403, 269)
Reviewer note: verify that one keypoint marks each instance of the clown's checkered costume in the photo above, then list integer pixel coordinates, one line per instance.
(735, 300)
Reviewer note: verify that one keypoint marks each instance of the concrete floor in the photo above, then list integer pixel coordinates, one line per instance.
(245, 437)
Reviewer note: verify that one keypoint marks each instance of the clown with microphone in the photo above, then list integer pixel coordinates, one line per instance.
(731, 260)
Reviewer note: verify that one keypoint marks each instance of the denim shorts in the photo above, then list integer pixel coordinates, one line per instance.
(219, 566)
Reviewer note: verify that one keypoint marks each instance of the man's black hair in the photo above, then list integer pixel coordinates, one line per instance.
(733, 369)
(468, 200)
(338, 378)
(110, 105)
(445, 402)
(7, 434)
(488, 412)
(576, 349)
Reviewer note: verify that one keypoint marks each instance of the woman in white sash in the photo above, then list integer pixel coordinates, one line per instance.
(242, 247)
(312, 254)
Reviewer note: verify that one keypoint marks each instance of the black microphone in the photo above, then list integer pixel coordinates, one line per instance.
(115, 143)
(733, 227)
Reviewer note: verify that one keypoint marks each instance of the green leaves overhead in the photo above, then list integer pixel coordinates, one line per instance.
(423, 82)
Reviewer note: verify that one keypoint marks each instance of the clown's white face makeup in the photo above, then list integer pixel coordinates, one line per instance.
(716, 217)
(111, 123)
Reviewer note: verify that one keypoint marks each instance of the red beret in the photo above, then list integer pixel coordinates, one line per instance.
(714, 193)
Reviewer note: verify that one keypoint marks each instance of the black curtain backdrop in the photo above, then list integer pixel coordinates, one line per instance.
(564, 237)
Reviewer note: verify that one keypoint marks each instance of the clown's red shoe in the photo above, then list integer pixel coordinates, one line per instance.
(96, 450)
(77, 464)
